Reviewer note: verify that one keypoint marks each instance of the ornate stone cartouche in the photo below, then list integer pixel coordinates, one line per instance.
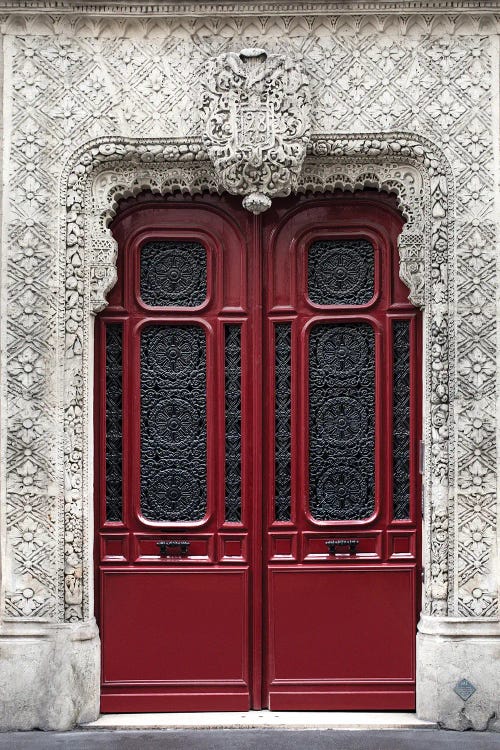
(256, 109)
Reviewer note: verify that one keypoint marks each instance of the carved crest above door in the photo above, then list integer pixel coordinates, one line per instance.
(256, 109)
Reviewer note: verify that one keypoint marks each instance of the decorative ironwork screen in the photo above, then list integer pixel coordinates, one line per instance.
(282, 437)
(401, 419)
(233, 422)
(114, 397)
(341, 272)
(173, 273)
(173, 423)
(341, 421)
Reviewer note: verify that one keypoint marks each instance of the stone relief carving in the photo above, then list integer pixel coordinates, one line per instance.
(277, 20)
(399, 166)
(269, 8)
(256, 108)
(370, 83)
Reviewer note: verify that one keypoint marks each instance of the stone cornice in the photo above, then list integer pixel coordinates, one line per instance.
(222, 8)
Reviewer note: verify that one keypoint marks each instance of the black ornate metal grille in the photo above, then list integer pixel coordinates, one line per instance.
(341, 272)
(114, 397)
(233, 421)
(282, 434)
(173, 273)
(173, 423)
(401, 419)
(341, 421)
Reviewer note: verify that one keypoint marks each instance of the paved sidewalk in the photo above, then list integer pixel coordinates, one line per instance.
(257, 739)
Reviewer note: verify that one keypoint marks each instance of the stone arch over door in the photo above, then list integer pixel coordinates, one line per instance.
(106, 171)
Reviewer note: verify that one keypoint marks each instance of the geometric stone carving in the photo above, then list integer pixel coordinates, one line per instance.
(447, 250)
(257, 125)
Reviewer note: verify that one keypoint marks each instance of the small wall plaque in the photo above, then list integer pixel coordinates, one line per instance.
(464, 689)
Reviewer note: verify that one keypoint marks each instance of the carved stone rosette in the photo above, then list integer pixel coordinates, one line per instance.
(256, 109)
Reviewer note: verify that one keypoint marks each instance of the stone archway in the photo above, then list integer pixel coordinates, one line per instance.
(106, 172)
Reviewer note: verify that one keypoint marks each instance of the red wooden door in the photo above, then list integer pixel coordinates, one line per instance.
(257, 401)
(342, 369)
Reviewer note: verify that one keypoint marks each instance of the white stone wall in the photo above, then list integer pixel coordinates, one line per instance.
(97, 103)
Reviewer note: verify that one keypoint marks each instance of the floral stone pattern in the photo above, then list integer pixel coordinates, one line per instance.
(95, 116)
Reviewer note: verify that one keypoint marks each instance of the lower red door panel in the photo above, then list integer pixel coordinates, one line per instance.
(341, 637)
(345, 698)
(176, 640)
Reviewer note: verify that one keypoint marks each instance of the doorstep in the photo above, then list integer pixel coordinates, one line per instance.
(262, 720)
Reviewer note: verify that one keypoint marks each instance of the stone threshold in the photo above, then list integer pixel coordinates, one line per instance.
(262, 720)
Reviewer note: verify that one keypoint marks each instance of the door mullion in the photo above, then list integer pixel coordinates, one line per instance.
(255, 275)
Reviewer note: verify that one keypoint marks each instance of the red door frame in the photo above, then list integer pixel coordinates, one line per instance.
(150, 216)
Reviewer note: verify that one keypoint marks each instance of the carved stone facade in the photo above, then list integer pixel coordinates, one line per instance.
(99, 105)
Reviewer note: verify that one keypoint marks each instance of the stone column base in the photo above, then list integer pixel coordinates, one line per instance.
(449, 651)
(49, 675)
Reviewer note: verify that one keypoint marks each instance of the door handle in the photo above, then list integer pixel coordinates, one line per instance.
(332, 545)
(168, 548)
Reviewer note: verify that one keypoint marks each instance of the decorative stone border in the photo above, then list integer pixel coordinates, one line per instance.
(436, 18)
(106, 171)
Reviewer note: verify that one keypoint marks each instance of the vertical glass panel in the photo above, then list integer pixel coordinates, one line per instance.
(233, 421)
(341, 272)
(173, 423)
(114, 422)
(173, 273)
(401, 419)
(341, 421)
(282, 439)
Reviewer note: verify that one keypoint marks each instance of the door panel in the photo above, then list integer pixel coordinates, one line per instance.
(318, 609)
(176, 492)
(341, 421)
(173, 423)
(183, 655)
(257, 424)
(341, 614)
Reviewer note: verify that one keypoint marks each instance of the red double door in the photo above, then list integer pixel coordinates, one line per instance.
(257, 423)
